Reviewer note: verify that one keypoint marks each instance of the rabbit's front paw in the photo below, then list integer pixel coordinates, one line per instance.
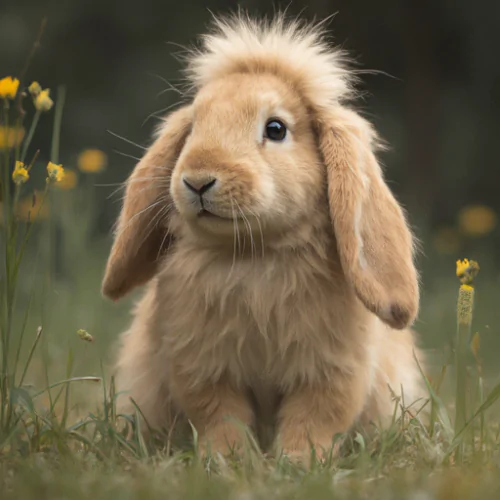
(225, 439)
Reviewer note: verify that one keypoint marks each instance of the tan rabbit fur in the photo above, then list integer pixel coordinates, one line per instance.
(284, 292)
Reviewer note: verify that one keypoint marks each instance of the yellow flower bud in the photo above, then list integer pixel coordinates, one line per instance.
(84, 335)
(34, 89)
(20, 175)
(42, 101)
(8, 87)
(55, 172)
(467, 271)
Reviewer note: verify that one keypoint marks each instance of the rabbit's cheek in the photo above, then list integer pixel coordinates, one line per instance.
(265, 194)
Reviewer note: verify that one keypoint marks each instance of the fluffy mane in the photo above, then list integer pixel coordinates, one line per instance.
(297, 52)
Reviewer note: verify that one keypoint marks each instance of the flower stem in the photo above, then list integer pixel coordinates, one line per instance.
(466, 272)
(56, 134)
(463, 332)
(31, 132)
(7, 292)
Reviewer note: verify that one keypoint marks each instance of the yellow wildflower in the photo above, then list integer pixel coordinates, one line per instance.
(92, 160)
(84, 335)
(31, 208)
(20, 175)
(34, 89)
(477, 220)
(68, 181)
(55, 172)
(467, 271)
(10, 137)
(8, 87)
(42, 101)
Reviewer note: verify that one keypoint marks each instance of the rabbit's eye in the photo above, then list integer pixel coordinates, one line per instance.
(275, 130)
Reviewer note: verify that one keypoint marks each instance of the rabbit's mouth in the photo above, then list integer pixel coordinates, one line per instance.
(204, 213)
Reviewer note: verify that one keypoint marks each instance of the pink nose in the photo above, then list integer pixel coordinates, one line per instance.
(199, 186)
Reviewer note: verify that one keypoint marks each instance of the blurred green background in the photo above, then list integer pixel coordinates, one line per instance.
(436, 101)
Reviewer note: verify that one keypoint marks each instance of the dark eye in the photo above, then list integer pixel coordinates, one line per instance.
(275, 130)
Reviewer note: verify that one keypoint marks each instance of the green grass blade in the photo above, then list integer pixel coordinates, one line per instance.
(30, 355)
(67, 381)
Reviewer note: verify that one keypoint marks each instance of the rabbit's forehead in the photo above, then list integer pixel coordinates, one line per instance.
(241, 98)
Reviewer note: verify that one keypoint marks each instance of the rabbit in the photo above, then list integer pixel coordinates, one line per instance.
(278, 268)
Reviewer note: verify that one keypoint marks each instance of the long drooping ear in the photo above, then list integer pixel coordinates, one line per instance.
(374, 242)
(142, 228)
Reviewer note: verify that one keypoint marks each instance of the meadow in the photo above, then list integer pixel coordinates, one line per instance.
(60, 434)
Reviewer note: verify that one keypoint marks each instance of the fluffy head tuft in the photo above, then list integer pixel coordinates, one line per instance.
(294, 51)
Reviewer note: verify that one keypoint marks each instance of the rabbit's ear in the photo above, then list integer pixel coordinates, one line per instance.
(374, 242)
(142, 229)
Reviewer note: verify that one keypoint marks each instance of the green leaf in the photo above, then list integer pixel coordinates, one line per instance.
(20, 396)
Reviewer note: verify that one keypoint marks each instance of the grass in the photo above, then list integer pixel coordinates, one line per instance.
(61, 436)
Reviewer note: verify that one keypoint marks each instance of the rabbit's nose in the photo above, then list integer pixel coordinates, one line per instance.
(199, 186)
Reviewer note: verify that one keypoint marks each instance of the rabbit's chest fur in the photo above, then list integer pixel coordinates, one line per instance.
(271, 321)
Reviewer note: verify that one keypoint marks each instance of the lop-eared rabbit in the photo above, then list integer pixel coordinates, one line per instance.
(278, 267)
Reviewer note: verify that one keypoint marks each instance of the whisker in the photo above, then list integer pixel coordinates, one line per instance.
(257, 218)
(156, 114)
(166, 211)
(249, 228)
(166, 82)
(149, 207)
(235, 229)
(156, 167)
(121, 153)
(112, 184)
(158, 182)
(145, 188)
(121, 186)
(154, 222)
(163, 212)
(167, 234)
(127, 140)
(116, 191)
(241, 245)
(149, 178)
(170, 88)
